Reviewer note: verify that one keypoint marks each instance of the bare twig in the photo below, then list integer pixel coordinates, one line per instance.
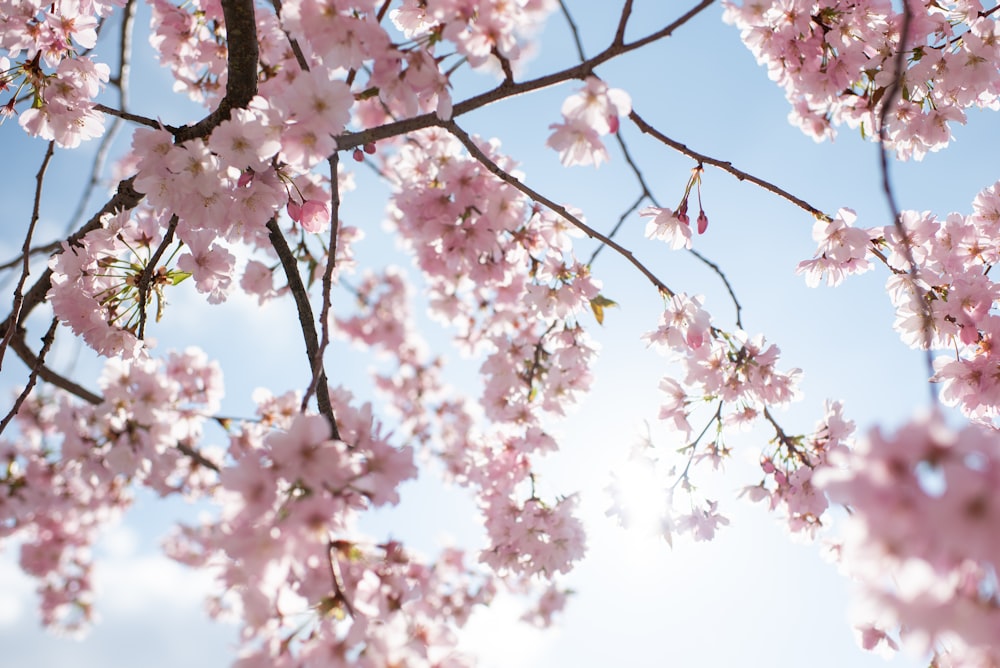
(504, 176)
(301, 296)
(621, 220)
(890, 97)
(574, 31)
(725, 281)
(349, 140)
(20, 346)
(331, 262)
(197, 457)
(725, 166)
(33, 376)
(135, 118)
(37, 250)
(623, 23)
(15, 315)
(300, 57)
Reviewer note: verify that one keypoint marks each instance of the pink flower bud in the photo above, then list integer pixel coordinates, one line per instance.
(246, 178)
(370, 148)
(613, 124)
(702, 222)
(358, 155)
(682, 212)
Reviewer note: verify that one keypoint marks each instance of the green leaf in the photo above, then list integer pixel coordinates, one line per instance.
(176, 277)
(598, 304)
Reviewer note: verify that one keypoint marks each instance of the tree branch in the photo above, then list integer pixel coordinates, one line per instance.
(622, 23)
(497, 171)
(147, 274)
(724, 166)
(15, 315)
(37, 362)
(301, 296)
(574, 31)
(331, 262)
(349, 140)
(36, 370)
(242, 51)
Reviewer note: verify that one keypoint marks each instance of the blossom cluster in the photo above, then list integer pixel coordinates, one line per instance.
(73, 469)
(921, 499)
(44, 62)
(588, 114)
(311, 589)
(501, 275)
(943, 300)
(937, 588)
(837, 61)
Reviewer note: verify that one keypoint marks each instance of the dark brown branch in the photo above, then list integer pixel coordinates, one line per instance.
(331, 262)
(197, 457)
(33, 376)
(623, 22)
(349, 140)
(135, 118)
(497, 171)
(725, 166)
(242, 52)
(147, 274)
(300, 57)
(301, 296)
(126, 198)
(15, 315)
(20, 346)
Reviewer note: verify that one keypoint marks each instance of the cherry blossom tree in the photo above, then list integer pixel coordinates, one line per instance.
(253, 196)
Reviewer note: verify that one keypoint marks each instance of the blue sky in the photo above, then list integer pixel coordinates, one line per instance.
(752, 596)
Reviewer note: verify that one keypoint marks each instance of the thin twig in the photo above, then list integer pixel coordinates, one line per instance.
(622, 23)
(37, 250)
(15, 315)
(504, 176)
(693, 445)
(292, 42)
(725, 281)
(621, 220)
(135, 118)
(301, 297)
(574, 31)
(197, 457)
(147, 274)
(724, 166)
(646, 193)
(890, 97)
(350, 140)
(33, 361)
(33, 376)
(331, 262)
